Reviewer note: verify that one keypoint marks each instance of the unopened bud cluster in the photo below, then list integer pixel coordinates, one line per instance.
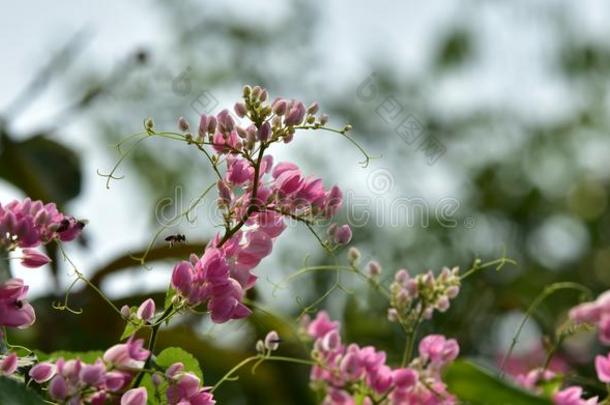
(418, 297)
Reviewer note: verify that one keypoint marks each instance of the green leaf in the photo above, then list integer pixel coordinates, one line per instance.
(156, 394)
(13, 392)
(169, 356)
(173, 355)
(87, 357)
(44, 169)
(473, 385)
(133, 325)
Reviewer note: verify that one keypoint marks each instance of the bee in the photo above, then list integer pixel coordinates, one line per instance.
(174, 239)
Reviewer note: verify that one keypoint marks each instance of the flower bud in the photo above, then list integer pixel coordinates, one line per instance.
(32, 258)
(442, 304)
(240, 109)
(212, 122)
(203, 125)
(353, 255)
(148, 123)
(393, 315)
(323, 119)
(241, 132)
(174, 369)
(453, 291)
(272, 341)
(279, 108)
(313, 108)
(256, 91)
(343, 235)
(374, 268)
(146, 310)
(157, 379)
(126, 311)
(295, 114)
(247, 90)
(260, 346)
(183, 124)
(264, 131)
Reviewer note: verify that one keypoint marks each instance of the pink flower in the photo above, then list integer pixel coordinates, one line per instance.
(239, 171)
(146, 310)
(572, 396)
(289, 181)
(185, 388)
(438, 350)
(343, 234)
(604, 329)
(334, 202)
(587, 312)
(58, 389)
(8, 365)
(312, 192)
(321, 325)
(135, 396)
(115, 380)
(296, 114)
(93, 374)
(271, 223)
(129, 355)
(338, 397)
(405, 377)
(42, 372)
(32, 258)
(15, 311)
(182, 277)
(283, 167)
(602, 366)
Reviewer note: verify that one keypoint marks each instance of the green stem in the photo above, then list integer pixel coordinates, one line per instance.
(253, 199)
(5, 274)
(5, 266)
(411, 337)
(548, 291)
(152, 341)
(261, 358)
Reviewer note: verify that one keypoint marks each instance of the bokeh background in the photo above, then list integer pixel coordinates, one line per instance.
(489, 120)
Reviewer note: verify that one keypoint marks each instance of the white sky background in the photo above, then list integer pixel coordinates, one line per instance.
(511, 70)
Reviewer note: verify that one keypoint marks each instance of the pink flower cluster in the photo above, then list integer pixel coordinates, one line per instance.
(185, 388)
(342, 371)
(596, 312)
(74, 382)
(31, 223)
(255, 196)
(288, 192)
